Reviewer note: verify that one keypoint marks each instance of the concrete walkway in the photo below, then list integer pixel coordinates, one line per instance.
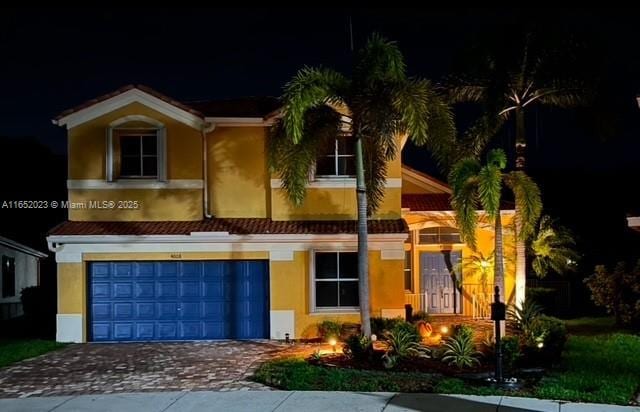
(282, 401)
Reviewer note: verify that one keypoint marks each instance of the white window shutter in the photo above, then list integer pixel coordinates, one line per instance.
(109, 155)
(162, 154)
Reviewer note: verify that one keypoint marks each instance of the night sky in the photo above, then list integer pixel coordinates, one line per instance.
(585, 160)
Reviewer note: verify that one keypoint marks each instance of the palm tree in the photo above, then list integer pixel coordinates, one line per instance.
(510, 81)
(552, 248)
(479, 187)
(508, 88)
(375, 107)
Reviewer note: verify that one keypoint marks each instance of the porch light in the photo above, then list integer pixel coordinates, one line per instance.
(444, 330)
(333, 342)
(485, 264)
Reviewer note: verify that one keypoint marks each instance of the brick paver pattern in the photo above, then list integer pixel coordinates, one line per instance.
(139, 367)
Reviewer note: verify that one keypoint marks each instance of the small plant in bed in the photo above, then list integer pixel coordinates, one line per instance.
(461, 350)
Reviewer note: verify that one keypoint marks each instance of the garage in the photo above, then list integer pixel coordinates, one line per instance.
(171, 301)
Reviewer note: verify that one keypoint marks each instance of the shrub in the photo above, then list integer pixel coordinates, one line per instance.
(358, 348)
(617, 291)
(381, 325)
(463, 331)
(521, 317)
(548, 331)
(408, 328)
(420, 316)
(543, 297)
(403, 344)
(39, 309)
(460, 351)
(329, 329)
(511, 352)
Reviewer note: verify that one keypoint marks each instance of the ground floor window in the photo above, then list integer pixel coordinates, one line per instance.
(8, 277)
(336, 280)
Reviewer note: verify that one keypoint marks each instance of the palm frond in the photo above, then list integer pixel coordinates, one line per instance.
(464, 201)
(309, 88)
(294, 162)
(528, 201)
(552, 248)
(375, 170)
(380, 60)
(490, 189)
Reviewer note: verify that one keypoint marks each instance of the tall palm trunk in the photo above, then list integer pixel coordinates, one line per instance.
(521, 262)
(498, 277)
(499, 257)
(363, 246)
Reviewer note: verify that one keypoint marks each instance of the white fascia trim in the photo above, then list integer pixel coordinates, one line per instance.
(128, 97)
(221, 237)
(238, 121)
(134, 184)
(633, 221)
(11, 244)
(74, 252)
(337, 183)
(422, 181)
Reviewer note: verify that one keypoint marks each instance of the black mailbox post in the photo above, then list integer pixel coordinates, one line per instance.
(498, 314)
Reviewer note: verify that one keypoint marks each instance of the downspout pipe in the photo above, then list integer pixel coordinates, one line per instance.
(206, 128)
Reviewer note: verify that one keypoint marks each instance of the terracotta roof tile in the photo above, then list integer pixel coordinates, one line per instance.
(256, 106)
(233, 226)
(436, 202)
(124, 89)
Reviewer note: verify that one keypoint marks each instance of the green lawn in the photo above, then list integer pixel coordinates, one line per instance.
(599, 368)
(16, 350)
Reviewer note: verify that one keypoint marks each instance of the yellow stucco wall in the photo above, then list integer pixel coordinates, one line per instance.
(87, 156)
(87, 150)
(238, 175)
(291, 290)
(331, 204)
(164, 204)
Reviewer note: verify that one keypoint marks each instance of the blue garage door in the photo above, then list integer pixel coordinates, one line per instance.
(140, 301)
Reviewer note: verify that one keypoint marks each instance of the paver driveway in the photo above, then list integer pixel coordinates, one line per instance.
(136, 367)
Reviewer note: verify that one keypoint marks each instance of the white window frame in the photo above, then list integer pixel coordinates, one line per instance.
(312, 279)
(409, 269)
(439, 235)
(161, 147)
(336, 156)
(151, 133)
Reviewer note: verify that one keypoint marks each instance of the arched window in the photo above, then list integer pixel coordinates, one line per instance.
(439, 235)
(136, 149)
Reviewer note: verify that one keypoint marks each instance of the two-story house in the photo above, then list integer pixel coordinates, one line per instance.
(177, 230)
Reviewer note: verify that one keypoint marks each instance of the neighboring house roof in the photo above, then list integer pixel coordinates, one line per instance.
(428, 183)
(436, 202)
(634, 222)
(21, 248)
(238, 226)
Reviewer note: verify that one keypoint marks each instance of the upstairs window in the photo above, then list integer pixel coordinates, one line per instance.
(139, 155)
(8, 277)
(338, 161)
(439, 235)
